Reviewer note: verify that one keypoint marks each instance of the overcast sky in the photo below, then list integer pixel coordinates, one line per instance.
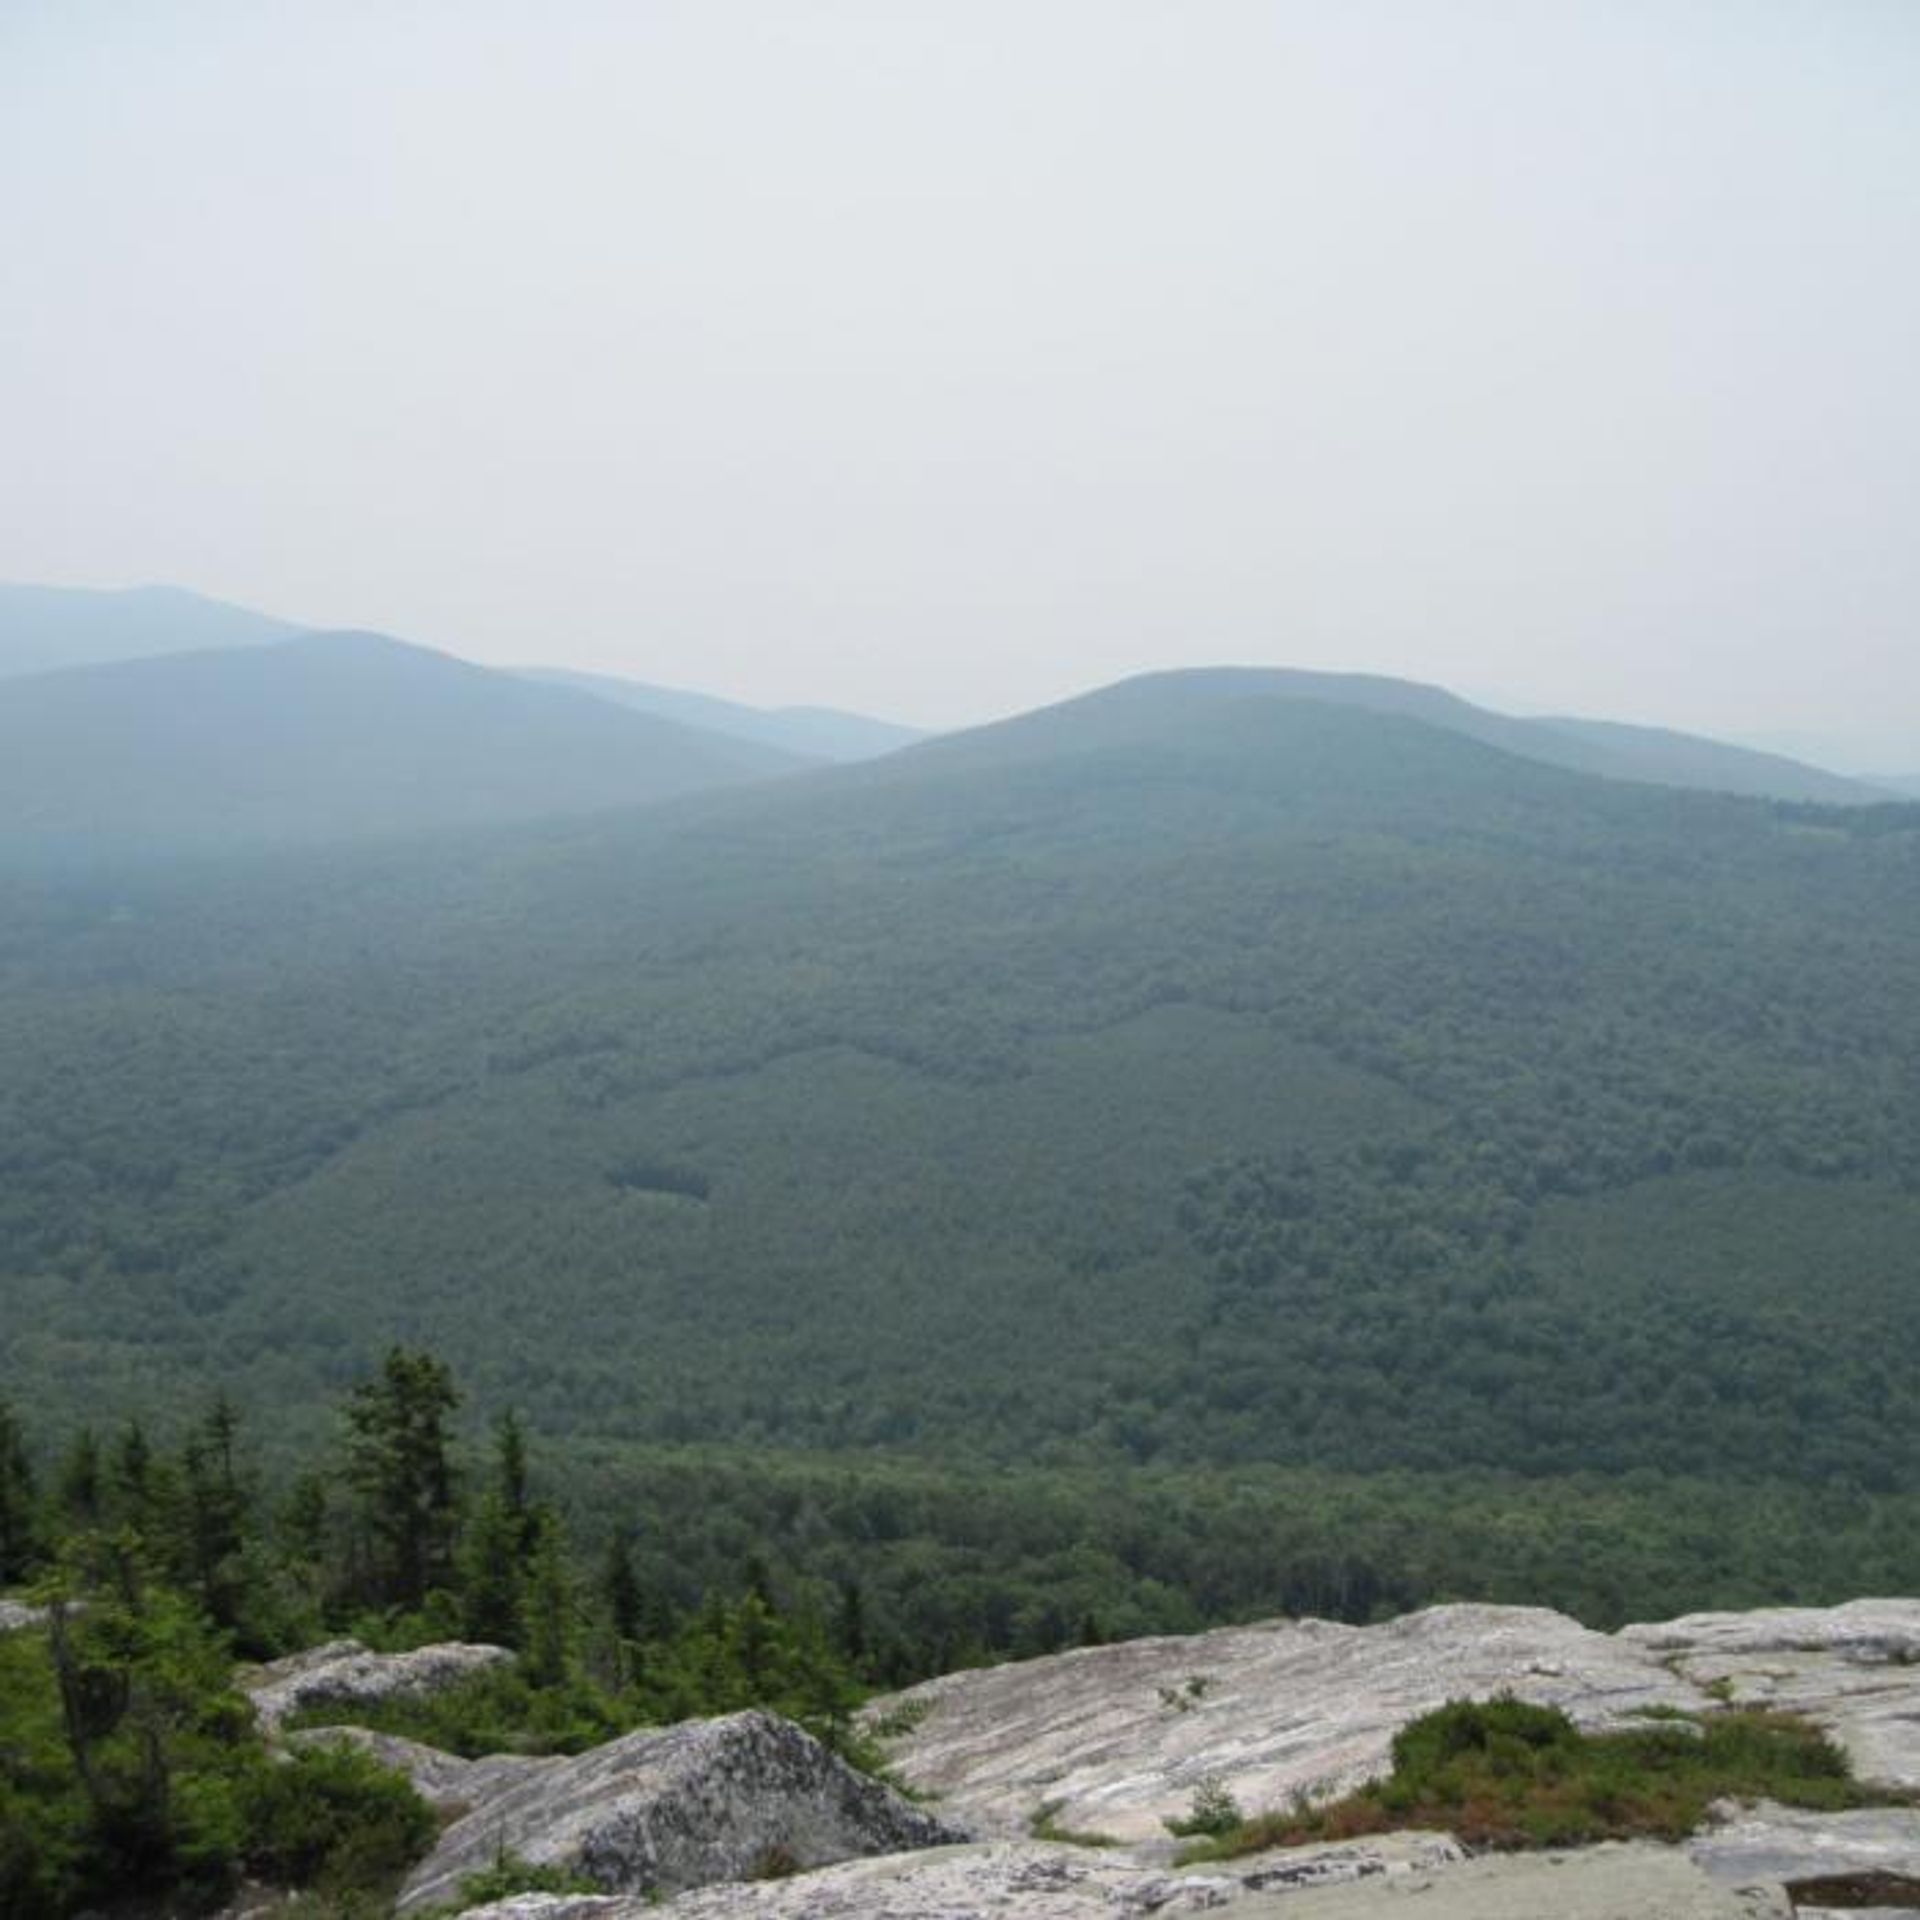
(940, 358)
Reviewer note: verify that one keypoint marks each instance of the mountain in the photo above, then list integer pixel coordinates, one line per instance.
(1688, 760)
(45, 628)
(1604, 748)
(815, 733)
(1186, 1075)
(323, 737)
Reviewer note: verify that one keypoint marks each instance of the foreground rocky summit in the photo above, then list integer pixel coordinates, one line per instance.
(1032, 1880)
(747, 1818)
(1117, 1740)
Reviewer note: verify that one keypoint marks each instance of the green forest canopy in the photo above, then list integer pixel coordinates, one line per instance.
(1189, 1084)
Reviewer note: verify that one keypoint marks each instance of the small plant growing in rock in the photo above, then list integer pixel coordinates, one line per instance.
(899, 1721)
(775, 1862)
(1044, 1824)
(510, 1874)
(1214, 1812)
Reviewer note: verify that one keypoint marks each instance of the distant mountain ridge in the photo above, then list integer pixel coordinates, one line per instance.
(43, 629)
(328, 736)
(1608, 749)
(822, 733)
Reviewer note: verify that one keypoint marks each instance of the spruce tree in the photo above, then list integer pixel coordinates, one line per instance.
(19, 1510)
(400, 1470)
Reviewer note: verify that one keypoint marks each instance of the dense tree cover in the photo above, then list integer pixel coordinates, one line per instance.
(130, 1760)
(1197, 1085)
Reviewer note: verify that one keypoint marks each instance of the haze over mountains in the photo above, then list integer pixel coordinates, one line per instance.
(156, 717)
(822, 733)
(44, 628)
(328, 737)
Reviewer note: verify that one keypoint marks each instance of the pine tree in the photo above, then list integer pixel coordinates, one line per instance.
(214, 1515)
(400, 1468)
(500, 1545)
(79, 1492)
(19, 1509)
(547, 1643)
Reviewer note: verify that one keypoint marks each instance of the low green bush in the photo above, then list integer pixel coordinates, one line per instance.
(1503, 1773)
(330, 1816)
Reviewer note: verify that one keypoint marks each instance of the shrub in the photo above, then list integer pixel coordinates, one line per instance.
(1502, 1773)
(1214, 1812)
(334, 1817)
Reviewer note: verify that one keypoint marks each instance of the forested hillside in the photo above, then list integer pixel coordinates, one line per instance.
(325, 737)
(1169, 1078)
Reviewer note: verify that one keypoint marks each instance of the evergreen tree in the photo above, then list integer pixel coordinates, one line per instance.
(79, 1491)
(620, 1587)
(214, 1515)
(501, 1542)
(19, 1510)
(130, 1476)
(400, 1470)
(547, 1644)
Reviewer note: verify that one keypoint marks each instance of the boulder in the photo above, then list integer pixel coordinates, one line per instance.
(1116, 1740)
(659, 1812)
(343, 1673)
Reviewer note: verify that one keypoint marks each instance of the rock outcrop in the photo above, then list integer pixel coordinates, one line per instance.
(448, 1784)
(659, 1812)
(14, 1615)
(1855, 1669)
(1041, 1878)
(1116, 1740)
(1863, 1850)
(345, 1674)
(1031, 1881)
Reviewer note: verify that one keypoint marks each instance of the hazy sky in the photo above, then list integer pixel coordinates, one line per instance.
(942, 358)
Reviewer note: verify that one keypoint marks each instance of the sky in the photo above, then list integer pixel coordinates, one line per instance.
(941, 359)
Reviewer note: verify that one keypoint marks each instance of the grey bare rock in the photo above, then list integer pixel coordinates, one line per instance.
(659, 1812)
(449, 1784)
(1854, 1669)
(1597, 1883)
(1119, 1739)
(1044, 1879)
(346, 1675)
(1032, 1881)
(1787, 1845)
